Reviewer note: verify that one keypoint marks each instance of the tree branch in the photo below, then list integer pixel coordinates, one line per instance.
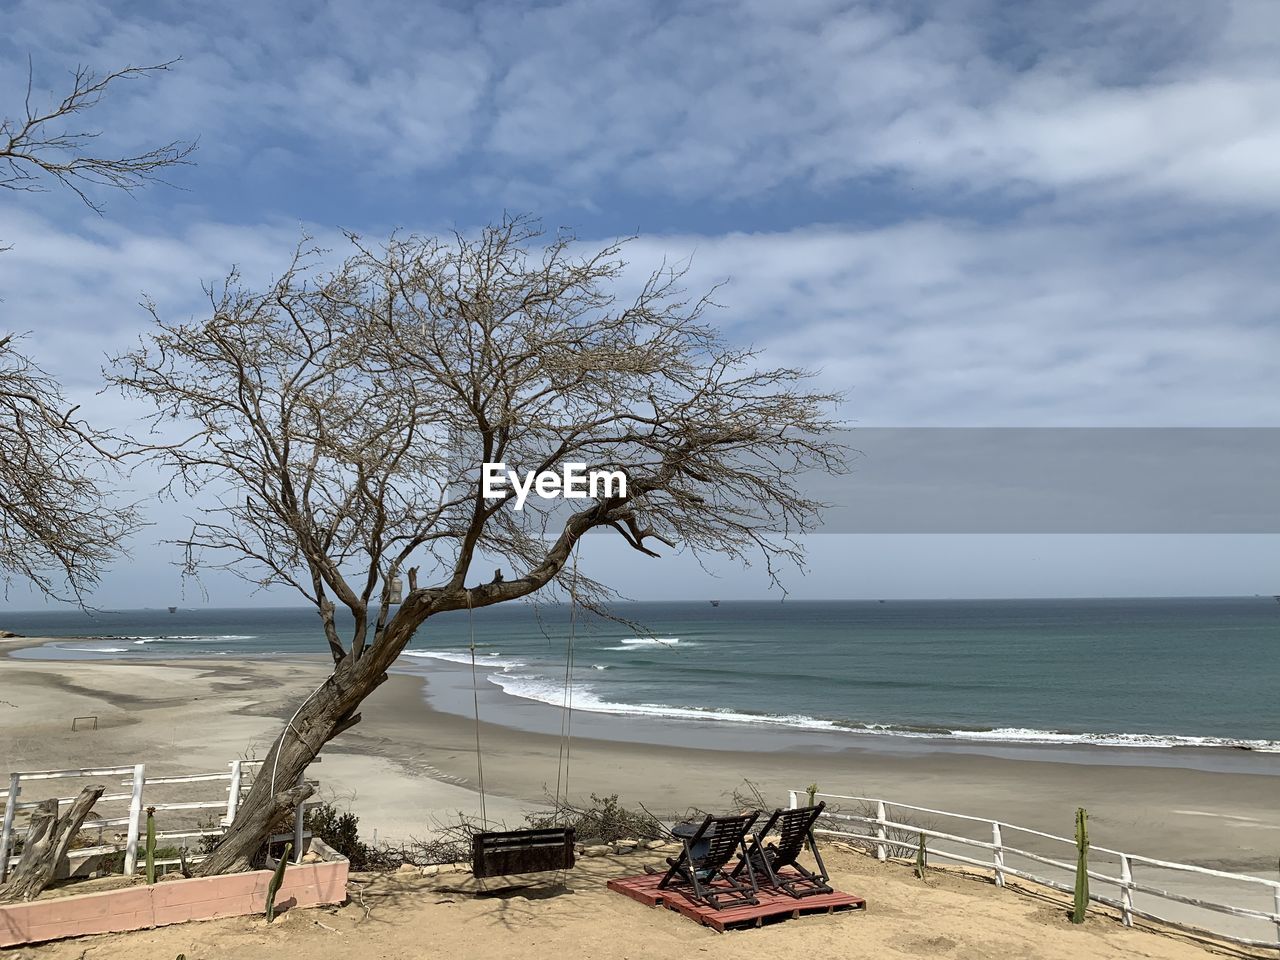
(38, 143)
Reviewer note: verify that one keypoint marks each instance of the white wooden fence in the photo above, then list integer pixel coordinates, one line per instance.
(878, 819)
(237, 777)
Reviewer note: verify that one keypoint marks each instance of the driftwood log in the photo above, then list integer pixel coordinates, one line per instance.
(48, 838)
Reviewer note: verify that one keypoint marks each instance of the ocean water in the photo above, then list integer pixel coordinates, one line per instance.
(1125, 672)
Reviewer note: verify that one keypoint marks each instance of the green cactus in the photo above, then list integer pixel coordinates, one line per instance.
(151, 844)
(277, 878)
(922, 858)
(812, 791)
(1082, 867)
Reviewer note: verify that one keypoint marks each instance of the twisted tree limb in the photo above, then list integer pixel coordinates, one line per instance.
(48, 838)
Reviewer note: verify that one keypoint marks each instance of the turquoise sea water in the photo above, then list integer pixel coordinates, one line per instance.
(1142, 672)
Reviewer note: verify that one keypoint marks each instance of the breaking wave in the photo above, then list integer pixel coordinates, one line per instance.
(486, 660)
(551, 692)
(190, 638)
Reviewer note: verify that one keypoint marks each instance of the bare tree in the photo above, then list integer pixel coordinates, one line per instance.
(47, 143)
(56, 523)
(343, 419)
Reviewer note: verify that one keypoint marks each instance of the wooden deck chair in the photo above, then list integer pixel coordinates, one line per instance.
(704, 877)
(776, 864)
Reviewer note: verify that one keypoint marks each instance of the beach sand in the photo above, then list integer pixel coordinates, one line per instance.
(393, 916)
(407, 763)
(407, 766)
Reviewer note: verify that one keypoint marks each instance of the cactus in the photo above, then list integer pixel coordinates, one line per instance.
(922, 858)
(812, 791)
(151, 844)
(1082, 867)
(277, 878)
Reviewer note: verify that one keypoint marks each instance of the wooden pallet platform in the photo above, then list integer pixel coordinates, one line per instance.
(773, 906)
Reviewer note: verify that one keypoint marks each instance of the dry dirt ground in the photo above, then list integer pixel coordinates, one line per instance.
(399, 916)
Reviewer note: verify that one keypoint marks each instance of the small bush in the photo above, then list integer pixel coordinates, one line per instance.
(603, 818)
(340, 830)
(114, 862)
(900, 842)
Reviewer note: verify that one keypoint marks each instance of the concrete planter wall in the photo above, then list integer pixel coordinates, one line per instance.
(174, 901)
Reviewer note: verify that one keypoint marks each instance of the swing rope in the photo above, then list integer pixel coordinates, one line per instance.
(566, 711)
(475, 701)
(566, 704)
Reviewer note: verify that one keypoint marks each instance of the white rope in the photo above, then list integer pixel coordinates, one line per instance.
(566, 705)
(566, 713)
(475, 701)
(287, 727)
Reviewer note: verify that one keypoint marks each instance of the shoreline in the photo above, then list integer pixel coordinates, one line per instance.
(410, 763)
(450, 691)
(657, 724)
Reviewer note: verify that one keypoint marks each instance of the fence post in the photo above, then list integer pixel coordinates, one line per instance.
(998, 853)
(10, 808)
(1126, 891)
(1081, 904)
(135, 816)
(151, 844)
(1275, 893)
(882, 851)
(298, 817)
(792, 801)
(233, 794)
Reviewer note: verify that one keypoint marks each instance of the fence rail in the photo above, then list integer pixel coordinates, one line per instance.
(996, 854)
(236, 778)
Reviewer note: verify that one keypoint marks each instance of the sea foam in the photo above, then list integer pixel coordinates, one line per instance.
(585, 698)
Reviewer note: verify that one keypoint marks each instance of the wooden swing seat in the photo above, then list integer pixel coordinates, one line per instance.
(500, 854)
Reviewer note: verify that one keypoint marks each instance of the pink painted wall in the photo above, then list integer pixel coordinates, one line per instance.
(175, 901)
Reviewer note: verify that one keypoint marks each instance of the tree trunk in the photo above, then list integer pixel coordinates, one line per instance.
(48, 838)
(331, 709)
(277, 789)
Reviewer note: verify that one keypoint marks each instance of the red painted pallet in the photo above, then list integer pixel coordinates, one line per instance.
(773, 906)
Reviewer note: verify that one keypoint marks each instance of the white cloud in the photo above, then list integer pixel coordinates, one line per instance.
(1125, 100)
(383, 87)
(1028, 213)
(79, 290)
(928, 323)
(711, 103)
(952, 323)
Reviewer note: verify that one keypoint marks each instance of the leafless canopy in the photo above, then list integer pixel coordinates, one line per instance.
(342, 419)
(56, 527)
(48, 142)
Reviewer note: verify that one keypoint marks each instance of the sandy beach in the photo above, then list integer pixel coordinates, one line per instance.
(411, 762)
(406, 763)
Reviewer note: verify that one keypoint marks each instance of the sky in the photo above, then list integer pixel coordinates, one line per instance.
(964, 214)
